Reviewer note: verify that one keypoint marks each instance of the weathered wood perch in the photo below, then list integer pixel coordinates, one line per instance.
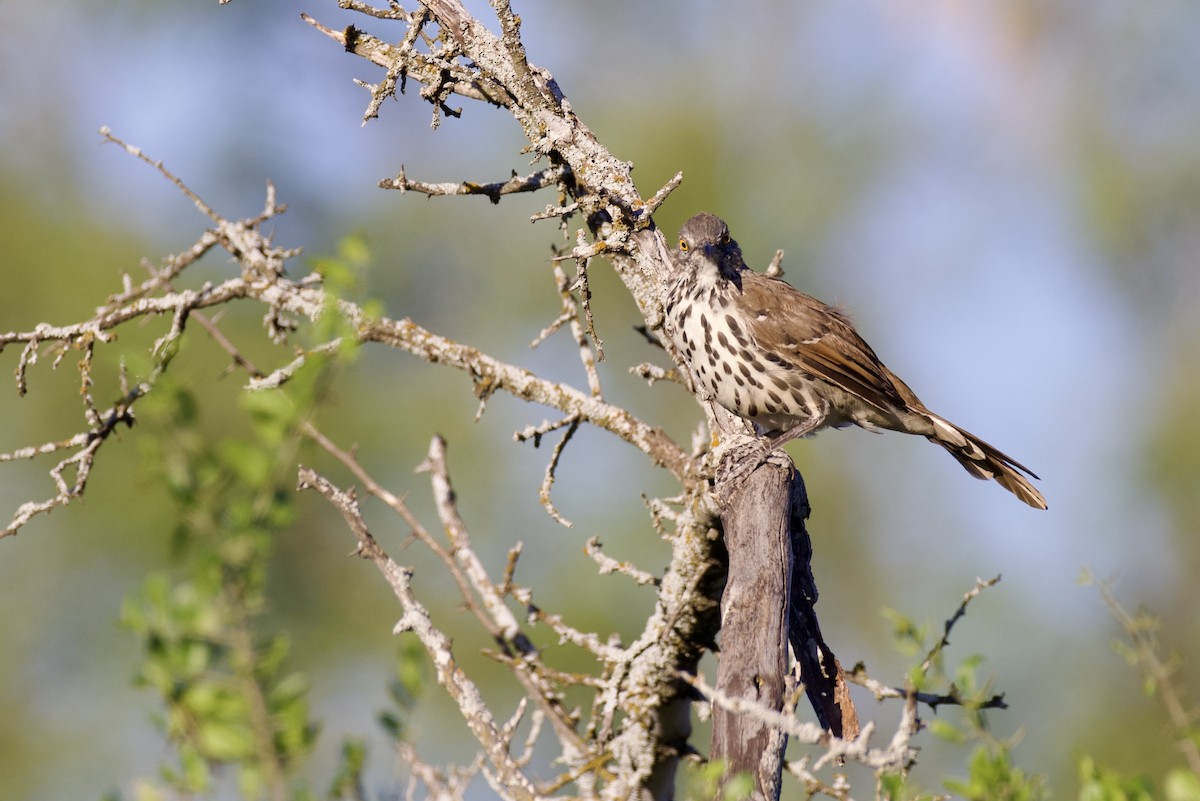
(768, 602)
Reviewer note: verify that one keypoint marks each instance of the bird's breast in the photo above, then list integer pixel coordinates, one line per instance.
(732, 370)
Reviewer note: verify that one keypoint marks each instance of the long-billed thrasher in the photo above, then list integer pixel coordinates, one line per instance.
(794, 365)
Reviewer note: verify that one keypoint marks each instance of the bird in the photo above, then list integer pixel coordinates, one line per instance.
(794, 365)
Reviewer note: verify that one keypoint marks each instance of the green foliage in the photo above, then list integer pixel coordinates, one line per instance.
(229, 698)
(348, 781)
(404, 688)
(1097, 783)
(907, 637)
(890, 787)
(896, 787)
(342, 278)
(1182, 785)
(709, 782)
(992, 776)
(958, 686)
(738, 786)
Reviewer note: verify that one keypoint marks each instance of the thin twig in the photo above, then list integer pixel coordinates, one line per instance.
(944, 640)
(1142, 632)
(883, 691)
(609, 565)
(493, 191)
(549, 475)
(417, 620)
(585, 299)
(661, 195)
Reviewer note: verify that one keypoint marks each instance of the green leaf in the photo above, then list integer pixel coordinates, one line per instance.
(248, 461)
(250, 782)
(392, 725)
(994, 777)
(202, 700)
(738, 787)
(347, 782)
(909, 637)
(1101, 784)
(1182, 785)
(945, 730)
(145, 791)
(891, 787)
(224, 742)
(196, 776)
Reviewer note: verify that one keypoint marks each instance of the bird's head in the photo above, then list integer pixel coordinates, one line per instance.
(706, 248)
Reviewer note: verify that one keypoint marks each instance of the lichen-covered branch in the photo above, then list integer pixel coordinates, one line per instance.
(512, 782)
(263, 280)
(541, 179)
(490, 375)
(469, 60)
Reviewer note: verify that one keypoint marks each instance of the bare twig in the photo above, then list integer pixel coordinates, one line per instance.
(802, 731)
(393, 12)
(491, 374)
(883, 691)
(82, 460)
(448, 785)
(493, 191)
(512, 781)
(460, 544)
(654, 373)
(263, 280)
(551, 467)
(895, 756)
(399, 70)
(585, 299)
(570, 314)
(426, 68)
(609, 565)
(660, 196)
(136, 152)
(944, 640)
(1142, 631)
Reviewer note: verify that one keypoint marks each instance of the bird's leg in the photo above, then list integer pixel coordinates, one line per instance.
(805, 428)
(740, 462)
(772, 444)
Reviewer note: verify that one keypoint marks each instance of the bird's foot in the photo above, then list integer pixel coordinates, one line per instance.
(739, 460)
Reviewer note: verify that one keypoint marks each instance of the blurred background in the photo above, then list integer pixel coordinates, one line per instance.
(1006, 196)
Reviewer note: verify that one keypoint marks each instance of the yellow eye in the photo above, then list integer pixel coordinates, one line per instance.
(725, 238)
(683, 245)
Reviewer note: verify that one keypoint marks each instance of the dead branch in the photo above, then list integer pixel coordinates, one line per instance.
(512, 783)
(552, 176)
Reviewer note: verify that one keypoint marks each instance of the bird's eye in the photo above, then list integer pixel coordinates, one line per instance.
(725, 238)
(683, 245)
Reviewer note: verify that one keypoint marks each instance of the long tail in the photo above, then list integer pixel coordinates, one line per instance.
(983, 461)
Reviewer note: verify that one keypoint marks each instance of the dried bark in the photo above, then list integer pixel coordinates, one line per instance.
(754, 622)
(769, 602)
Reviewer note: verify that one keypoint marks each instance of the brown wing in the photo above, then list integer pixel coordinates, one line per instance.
(817, 339)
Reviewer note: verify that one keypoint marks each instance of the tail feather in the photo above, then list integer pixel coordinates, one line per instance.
(983, 461)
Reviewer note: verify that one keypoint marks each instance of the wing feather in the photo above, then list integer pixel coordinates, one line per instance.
(818, 339)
